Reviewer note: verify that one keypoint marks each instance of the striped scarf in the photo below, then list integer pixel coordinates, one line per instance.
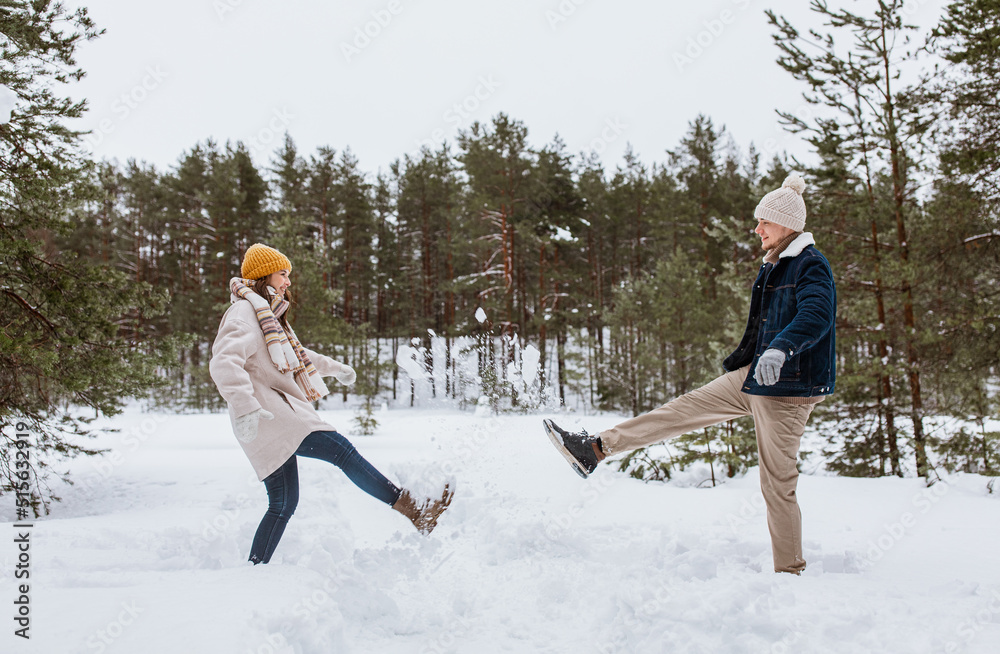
(282, 345)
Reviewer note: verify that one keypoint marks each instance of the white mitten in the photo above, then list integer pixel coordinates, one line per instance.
(346, 376)
(246, 425)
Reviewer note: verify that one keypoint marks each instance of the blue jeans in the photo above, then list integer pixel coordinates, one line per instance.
(283, 486)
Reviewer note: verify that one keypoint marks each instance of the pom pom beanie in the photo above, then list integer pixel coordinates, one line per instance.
(785, 206)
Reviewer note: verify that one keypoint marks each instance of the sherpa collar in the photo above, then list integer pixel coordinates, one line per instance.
(795, 248)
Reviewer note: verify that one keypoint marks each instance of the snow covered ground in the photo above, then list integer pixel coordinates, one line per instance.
(146, 554)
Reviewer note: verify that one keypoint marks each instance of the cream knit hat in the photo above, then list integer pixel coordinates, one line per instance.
(785, 206)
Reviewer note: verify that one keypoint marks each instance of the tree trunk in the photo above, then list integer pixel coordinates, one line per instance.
(909, 319)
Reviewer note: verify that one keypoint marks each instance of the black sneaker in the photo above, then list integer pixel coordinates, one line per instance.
(578, 449)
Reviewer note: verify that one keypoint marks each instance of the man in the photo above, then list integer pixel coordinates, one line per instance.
(783, 367)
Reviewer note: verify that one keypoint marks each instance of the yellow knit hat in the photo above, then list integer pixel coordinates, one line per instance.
(261, 261)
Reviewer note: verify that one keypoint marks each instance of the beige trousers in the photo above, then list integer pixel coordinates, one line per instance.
(779, 428)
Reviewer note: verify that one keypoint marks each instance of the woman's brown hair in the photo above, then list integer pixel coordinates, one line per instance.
(261, 287)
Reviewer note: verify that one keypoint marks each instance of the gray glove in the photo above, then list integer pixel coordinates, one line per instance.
(246, 425)
(347, 376)
(768, 367)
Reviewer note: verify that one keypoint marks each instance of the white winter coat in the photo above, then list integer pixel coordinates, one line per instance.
(248, 380)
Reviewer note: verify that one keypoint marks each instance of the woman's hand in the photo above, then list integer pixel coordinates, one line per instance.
(346, 376)
(246, 426)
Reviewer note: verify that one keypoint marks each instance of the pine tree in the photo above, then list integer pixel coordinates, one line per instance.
(880, 129)
(677, 319)
(356, 222)
(555, 204)
(302, 224)
(594, 296)
(965, 234)
(62, 348)
(428, 204)
(962, 264)
(498, 161)
(968, 37)
(866, 442)
(696, 163)
(213, 209)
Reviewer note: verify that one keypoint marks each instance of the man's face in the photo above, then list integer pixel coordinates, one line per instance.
(771, 234)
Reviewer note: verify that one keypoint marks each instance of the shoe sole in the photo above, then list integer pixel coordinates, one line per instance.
(558, 442)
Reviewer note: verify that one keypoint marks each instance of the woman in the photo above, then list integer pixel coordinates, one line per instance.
(269, 381)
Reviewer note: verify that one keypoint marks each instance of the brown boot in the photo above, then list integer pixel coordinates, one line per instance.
(424, 513)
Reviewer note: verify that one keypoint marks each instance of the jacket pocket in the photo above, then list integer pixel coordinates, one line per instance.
(792, 369)
(283, 397)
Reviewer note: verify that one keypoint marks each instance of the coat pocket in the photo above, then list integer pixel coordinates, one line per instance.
(792, 369)
(283, 397)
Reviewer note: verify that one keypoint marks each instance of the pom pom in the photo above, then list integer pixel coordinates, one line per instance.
(795, 182)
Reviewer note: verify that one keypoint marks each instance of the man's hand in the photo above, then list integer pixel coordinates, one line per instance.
(768, 367)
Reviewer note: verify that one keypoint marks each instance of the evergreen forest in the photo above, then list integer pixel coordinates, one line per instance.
(630, 283)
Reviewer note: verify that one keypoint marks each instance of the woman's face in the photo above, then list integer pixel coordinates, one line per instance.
(279, 282)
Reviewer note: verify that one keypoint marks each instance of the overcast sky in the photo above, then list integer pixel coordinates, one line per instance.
(384, 76)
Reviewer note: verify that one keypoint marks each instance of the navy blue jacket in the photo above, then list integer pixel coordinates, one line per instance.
(793, 308)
